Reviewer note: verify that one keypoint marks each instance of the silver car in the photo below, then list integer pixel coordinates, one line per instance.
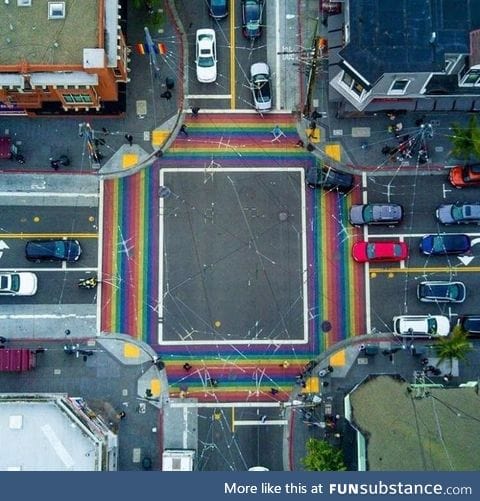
(459, 213)
(260, 85)
(388, 214)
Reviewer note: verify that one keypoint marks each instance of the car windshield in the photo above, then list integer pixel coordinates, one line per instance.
(261, 88)
(367, 213)
(205, 60)
(431, 326)
(438, 244)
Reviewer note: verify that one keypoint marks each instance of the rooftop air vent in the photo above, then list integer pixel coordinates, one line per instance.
(56, 10)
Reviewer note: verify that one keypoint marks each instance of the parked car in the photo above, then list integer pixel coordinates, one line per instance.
(421, 325)
(329, 179)
(376, 214)
(252, 18)
(260, 85)
(18, 284)
(206, 56)
(441, 292)
(364, 252)
(446, 243)
(469, 175)
(470, 323)
(53, 250)
(5, 147)
(458, 213)
(218, 9)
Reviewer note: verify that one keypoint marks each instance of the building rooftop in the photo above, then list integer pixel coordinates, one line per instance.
(439, 432)
(43, 435)
(388, 36)
(27, 33)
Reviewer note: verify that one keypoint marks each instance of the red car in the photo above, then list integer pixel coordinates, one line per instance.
(364, 252)
(461, 177)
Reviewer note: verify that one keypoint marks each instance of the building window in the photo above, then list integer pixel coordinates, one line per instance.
(399, 86)
(471, 78)
(56, 10)
(71, 98)
(353, 86)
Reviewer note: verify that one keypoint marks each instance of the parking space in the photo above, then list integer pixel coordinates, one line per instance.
(392, 287)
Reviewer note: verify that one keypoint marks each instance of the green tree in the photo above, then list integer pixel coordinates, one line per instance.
(456, 346)
(466, 140)
(321, 456)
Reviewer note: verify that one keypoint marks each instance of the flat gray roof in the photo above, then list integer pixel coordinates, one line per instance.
(28, 33)
(41, 436)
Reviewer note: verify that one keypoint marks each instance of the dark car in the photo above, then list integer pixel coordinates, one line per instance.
(218, 9)
(441, 292)
(53, 250)
(329, 179)
(252, 18)
(470, 323)
(459, 213)
(376, 214)
(447, 243)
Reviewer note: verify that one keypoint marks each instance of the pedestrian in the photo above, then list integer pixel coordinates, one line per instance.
(187, 366)
(166, 95)
(277, 133)
(195, 110)
(105, 131)
(121, 415)
(183, 130)
(263, 419)
(170, 83)
(285, 364)
(299, 144)
(129, 139)
(273, 391)
(54, 164)
(315, 115)
(212, 382)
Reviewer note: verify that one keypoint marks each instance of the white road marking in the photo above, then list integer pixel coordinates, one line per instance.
(277, 58)
(257, 422)
(209, 96)
(100, 254)
(368, 318)
(23, 194)
(419, 235)
(215, 405)
(47, 269)
(26, 316)
(238, 111)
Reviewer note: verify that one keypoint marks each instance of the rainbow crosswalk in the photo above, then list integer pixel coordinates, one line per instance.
(130, 263)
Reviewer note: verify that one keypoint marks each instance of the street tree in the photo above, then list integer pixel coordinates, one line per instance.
(456, 346)
(322, 456)
(466, 140)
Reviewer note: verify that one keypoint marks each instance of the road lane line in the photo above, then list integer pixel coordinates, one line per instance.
(433, 269)
(46, 194)
(209, 96)
(368, 318)
(419, 235)
(46, 269)
(233, 420)
(214, 405)
(100, 254)
(257, 422)
(277, 57)
(232, 55)
(25, 316)
(48, 235)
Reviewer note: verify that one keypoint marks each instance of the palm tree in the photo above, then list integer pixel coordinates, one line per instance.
(321, 456)
(466, 140)
(456, 346)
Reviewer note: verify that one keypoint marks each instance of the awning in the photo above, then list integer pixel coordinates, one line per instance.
(11, 80)
(63, 79)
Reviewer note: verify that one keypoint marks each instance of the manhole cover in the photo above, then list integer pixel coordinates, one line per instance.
(283, 216)
(326, 326)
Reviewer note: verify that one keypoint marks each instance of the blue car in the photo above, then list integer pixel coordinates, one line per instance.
(447, 243)
(218, 9)
(252, 18)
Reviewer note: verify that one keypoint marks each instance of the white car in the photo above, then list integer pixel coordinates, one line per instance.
(206, 56)
(260, 85)
(421, 325)
(18, 284)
